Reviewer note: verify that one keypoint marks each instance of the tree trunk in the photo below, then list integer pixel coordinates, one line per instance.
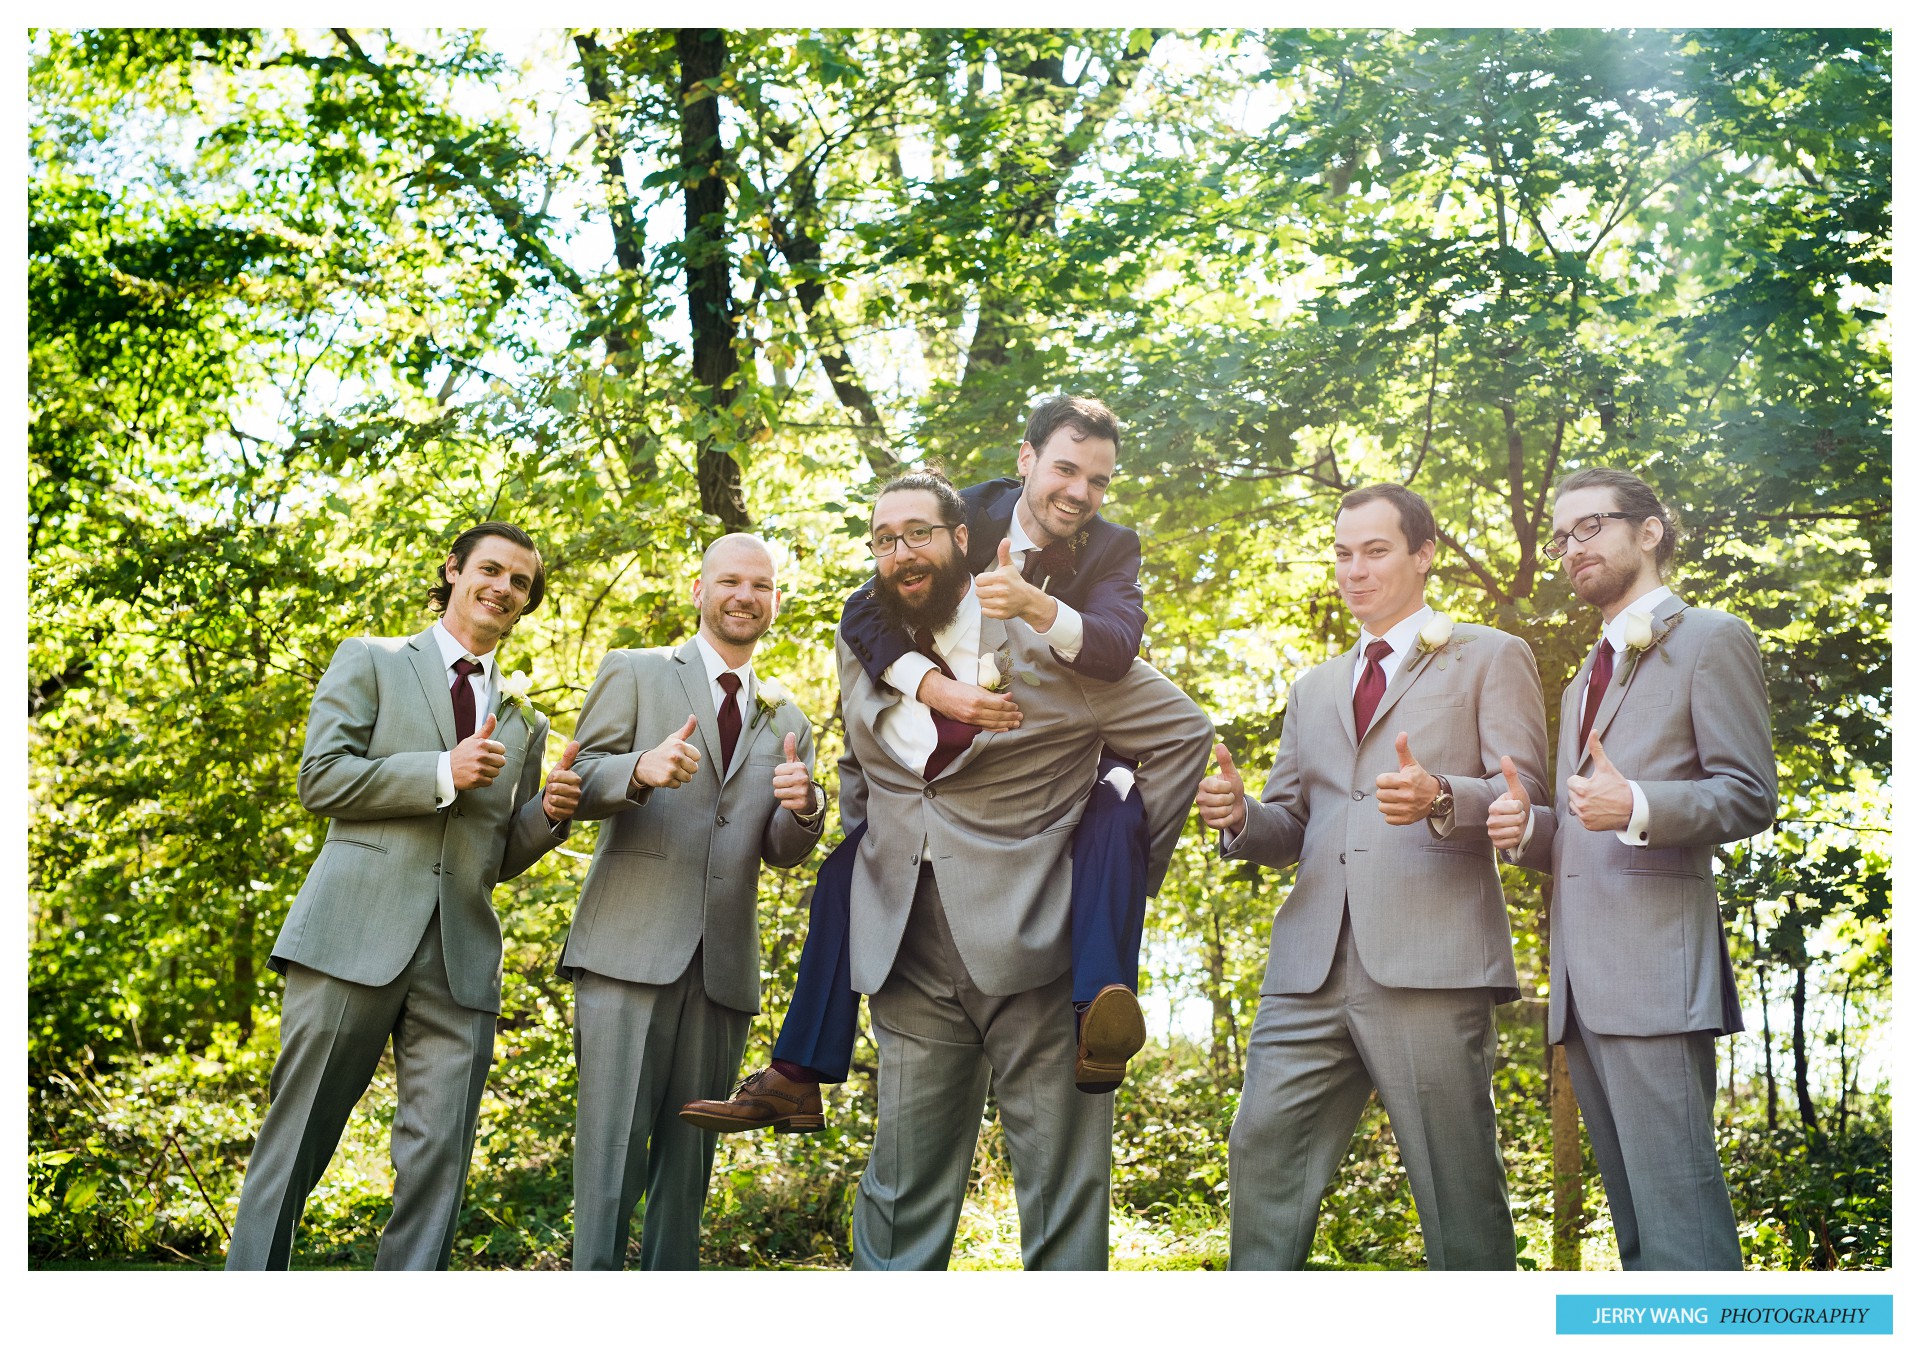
(1800, 1087)
(1766, 1025)
(1563, 1121)
(1226, 1032)
(703, 57)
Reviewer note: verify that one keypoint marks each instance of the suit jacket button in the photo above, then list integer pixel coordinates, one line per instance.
(436, 870)
(1359, 796)
(930, 792)
(1343, 856)
(914, 862)
(721, 821)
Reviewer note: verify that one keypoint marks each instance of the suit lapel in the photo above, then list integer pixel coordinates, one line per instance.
(1626, 668)
(757, 725)
(693, 679)
(1344, 704)
(1410, 671)
(435, 684)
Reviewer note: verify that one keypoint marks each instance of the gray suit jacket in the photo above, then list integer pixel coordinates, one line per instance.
(997, 823)
(1637, 930)
(1427, 911)
(679, 868)
(381, 717)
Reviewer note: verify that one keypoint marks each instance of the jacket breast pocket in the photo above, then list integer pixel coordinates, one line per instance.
(1434, 702)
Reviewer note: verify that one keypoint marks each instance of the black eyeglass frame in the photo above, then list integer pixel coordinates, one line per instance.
(893, 546)
(1556, 547)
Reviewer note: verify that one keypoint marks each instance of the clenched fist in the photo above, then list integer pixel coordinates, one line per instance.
(792, 787)
(671, 763)
(1602, 800)
(477, 760)
(562, 796)
(1407, 794)
(1507, 815)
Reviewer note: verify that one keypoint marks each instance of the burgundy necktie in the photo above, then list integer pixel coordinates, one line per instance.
(729, 717)
(1597, 681)
(1048, 564)
(1373, 684)
(954, 735)
(462, 692)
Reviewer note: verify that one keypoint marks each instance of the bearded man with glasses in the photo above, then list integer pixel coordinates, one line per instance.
(1641, 978)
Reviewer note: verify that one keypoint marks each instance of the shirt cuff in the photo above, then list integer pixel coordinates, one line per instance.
(1067, 632)
(443, 790)
(811, 817)
(1526, 837)
(906, 674)
(1636, 832)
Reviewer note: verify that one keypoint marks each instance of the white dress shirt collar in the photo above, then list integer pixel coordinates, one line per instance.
(1017, 537)
(1616, 629)
(717, 664)
(452, 651)
(1400, 638)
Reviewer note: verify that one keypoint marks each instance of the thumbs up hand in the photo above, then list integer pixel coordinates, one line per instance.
(792, 786)
(562, 797)
(1222, 795)
(477, 760)
(1507, 815)
(1406, 795)
(1005, 594)
(1603, 800)
(671, 763)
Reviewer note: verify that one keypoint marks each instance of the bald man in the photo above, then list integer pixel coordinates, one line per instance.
(664, 952)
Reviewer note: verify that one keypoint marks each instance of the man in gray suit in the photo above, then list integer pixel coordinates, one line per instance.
(1392, 948)
(1641, 979)
(702, 770)
(960, 932)
(432, 788)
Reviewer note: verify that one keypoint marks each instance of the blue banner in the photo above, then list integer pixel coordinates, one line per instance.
(1670, 1315)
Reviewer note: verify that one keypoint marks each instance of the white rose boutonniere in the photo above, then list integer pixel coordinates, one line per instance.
(516, 689)
(1436, 639)
(767, 700)
(995, 667)
(1637, 632)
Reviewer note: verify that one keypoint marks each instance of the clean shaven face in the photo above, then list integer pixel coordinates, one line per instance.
(1066, 480)
(489, 592)
(1381, 580)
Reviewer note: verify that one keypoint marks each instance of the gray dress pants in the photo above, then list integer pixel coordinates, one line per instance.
(942, 1041)
(332, 1033)
(1312, 1059)
(1648, 1106)
(644, 1051)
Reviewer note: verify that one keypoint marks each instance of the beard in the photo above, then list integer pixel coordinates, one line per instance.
(736, 628)
(936, 607)
(1604, 583)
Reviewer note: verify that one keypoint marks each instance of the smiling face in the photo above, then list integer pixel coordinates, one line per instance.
(1618, 563)
(736, 595)
(1066, 481)
(489, 592)
(1381, 580)
(919, 588)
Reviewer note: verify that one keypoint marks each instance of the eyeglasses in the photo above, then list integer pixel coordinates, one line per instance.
(1583, 530)
(917, 537)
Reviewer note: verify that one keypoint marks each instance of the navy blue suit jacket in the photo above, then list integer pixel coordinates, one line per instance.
(1104, 586)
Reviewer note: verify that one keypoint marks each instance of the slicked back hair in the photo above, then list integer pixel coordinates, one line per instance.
(1088, 417)
(1416, 517)
(953, 511)
(1630, 494)
(462, 549)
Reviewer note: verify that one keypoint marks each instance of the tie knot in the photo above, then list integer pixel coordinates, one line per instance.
(467, 667)
(729, 682)
(923, 640)
(1379, 650)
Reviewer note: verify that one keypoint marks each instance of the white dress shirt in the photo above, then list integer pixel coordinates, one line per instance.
(906, 726)
(1065, 635)
(486, 700)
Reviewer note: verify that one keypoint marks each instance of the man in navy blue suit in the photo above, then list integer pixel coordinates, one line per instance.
(1042, 554)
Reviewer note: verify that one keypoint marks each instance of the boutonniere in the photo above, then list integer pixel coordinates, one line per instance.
(1078, 542)
(996, 670)
(768, 699)
(515, 689)
(1638, 634)
(1436, 638)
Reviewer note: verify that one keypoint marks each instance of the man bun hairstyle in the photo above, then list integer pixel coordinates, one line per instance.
(1416, 517)
(953, 511)
(462, 549)
(1088, 417)
(1632, 495)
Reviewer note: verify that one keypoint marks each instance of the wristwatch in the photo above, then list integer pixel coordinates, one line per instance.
(1442, 805)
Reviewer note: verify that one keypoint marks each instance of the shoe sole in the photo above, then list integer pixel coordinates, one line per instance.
(1112, 1031)
(781, 1125)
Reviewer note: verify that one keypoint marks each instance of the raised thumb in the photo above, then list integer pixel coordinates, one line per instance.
(792, 745)
(693, 721)
(1005, 555)
(566, 756)
(1222, 757)
(1600, 760)
(1512, 776)
(487, 730)
(1406, 756)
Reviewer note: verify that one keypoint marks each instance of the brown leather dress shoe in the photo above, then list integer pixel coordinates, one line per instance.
(1111, 1032)
(768, 1098)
